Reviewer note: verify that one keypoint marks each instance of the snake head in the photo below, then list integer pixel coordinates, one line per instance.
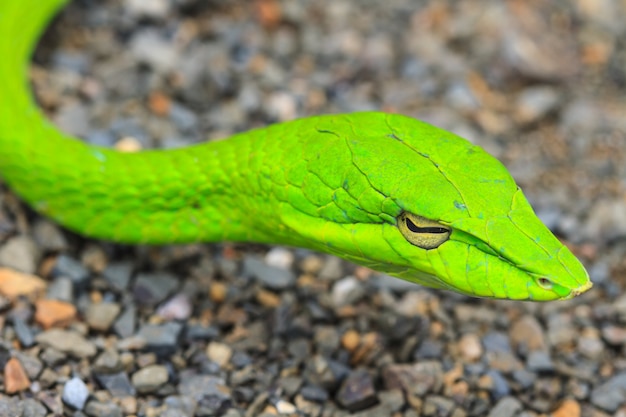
(420, 203)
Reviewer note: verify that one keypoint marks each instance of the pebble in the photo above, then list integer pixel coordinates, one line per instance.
(150, 378)
(470, 347)
(61, 289)
(269, 276)
(101, 409)
(72, 269)
(23, 332)
(526, 335)
(67, 341)
(177, 307)
(20, 253)
(161, 338)
(219, 353)
(568, 408)
(14, 284)
(153, 288)
(506, 407)
(54, 313)
(126, 322)
(75, 393)
(118, 275)
(155, 9)
(357, 391)
(347, 291)
(417, 379)
(15, 378)
(100, 316)
(609, 395)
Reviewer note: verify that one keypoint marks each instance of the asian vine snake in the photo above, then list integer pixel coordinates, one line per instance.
(381, 190)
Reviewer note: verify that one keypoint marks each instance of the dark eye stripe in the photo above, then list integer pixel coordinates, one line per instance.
(416, 229)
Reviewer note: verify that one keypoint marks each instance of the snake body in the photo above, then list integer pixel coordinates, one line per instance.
(382, 190)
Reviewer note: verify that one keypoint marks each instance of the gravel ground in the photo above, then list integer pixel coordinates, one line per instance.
(90, 328)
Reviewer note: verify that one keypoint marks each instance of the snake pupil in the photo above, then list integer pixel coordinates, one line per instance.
(416, 229)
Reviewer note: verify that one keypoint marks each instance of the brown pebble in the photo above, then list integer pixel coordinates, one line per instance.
(14, 284)
(54, 313)
(569, 408)
(350, 340)
(159, 103)
(268, 298)
(470, 347)
(218, 292)
(269, 12)
(15, 378)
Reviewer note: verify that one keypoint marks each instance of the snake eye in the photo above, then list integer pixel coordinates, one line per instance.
(544, 283)
(422, 232)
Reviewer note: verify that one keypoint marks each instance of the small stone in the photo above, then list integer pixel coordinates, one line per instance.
(350, 340)
(150, 378)
(539, 361)
(100, 316)
(14, 284)
(527, 334)
(568, 408)
(68, 342)
(155, 9)
(347, 291)
(470, 347)
(118, 275)
(20, 253)
(394, 399)
(609, 395)
(267, 298)
(269, 276)
(31, 364)
(284, 407)
(152, 289)
(614, 335)
(23, 332)
(101, 409)
(61, 289)
(161, 338)
(357, 391)
(72, 269)
(54, 313)
(15, 378)
(125, 324)
(218, 292)
(176, 308)
(108, 362)
(506, 407)
(314, 393)
(279, 258)
(204, 387)
(75, 393)
(219, 353)
(416, 379)
(33, 408)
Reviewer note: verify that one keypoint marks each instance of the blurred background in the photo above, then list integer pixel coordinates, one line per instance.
(539, 84)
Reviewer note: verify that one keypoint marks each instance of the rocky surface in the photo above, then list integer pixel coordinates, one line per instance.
(92, 328)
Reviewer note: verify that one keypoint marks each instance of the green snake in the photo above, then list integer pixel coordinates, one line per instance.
(382, 190)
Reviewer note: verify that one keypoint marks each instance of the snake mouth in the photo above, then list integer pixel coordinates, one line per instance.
(583, 288)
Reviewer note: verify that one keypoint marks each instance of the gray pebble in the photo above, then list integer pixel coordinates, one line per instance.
(153, 288)
(67, 341)
(314, 393)
(436, 405)
(61, 288)
(99, 409)
(609, 396)
(126, 322)
(49, 236)
(535, 103)
(31, 364)
(107, 362)
(72, 269)
(201, 387)
(118, 275)
(20, 253)
(347, 291)
(33, 408)
(269, 276)
(100, 316)
(539, 361)
(75, 393)
(506, 407)
(150, 378)
(161, 338)
(23, 332)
